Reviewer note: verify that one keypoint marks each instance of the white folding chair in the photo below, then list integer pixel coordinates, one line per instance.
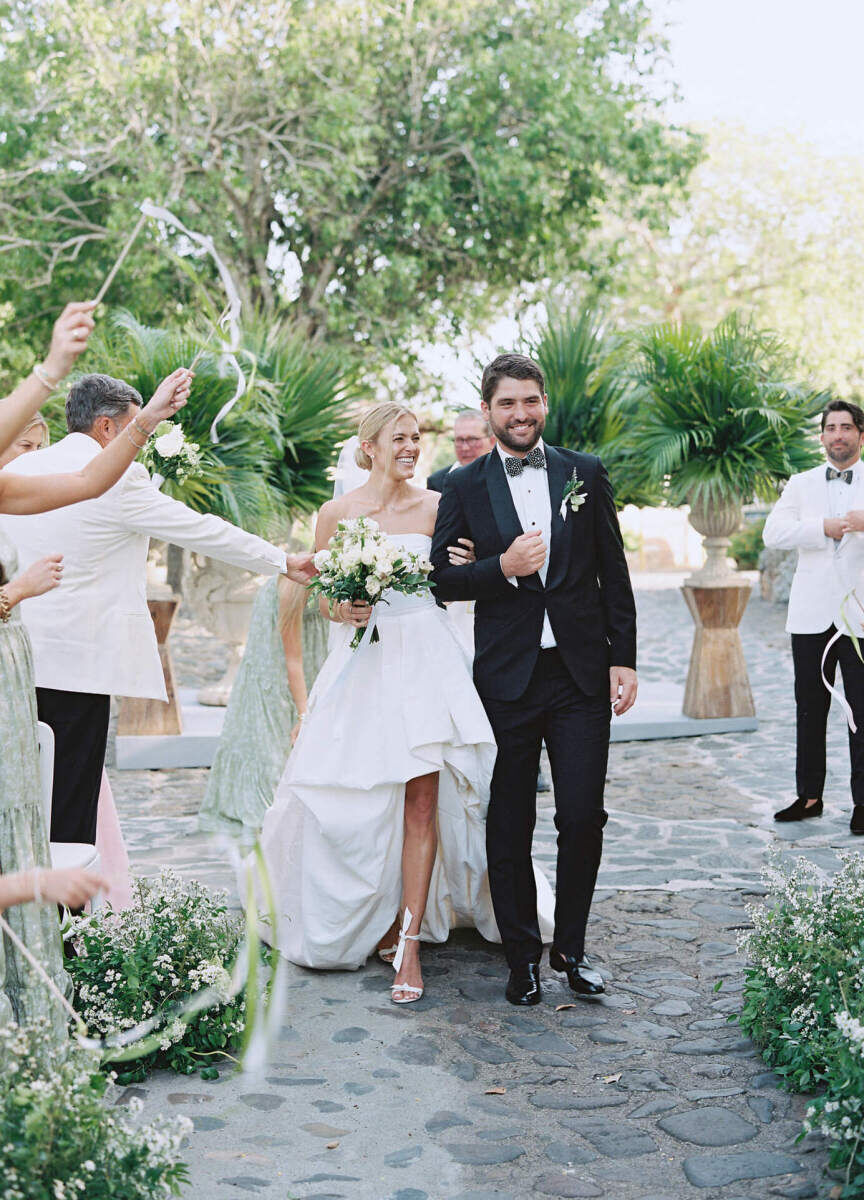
(63, 854)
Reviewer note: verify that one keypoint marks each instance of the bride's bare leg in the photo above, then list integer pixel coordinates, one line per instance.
(418, 859)
(391, 937)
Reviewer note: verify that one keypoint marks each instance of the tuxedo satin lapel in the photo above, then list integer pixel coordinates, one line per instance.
(504, 510)
(559, 549)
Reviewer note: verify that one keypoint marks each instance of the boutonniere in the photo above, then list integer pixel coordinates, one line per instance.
(572, 495)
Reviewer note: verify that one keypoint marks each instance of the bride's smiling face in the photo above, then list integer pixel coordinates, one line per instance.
(397, 448)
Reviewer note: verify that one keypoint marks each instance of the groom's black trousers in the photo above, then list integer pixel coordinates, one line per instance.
(576, 731)
(80, 723)
(812, 702)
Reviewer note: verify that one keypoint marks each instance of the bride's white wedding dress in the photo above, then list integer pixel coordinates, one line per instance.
(378, 716)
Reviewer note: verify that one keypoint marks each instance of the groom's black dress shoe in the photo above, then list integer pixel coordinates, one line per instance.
(798, 811)
(523, 986)
(581, 976)
(856, 825)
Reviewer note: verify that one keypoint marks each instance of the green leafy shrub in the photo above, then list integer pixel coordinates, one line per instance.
(60, 1140)
(141, 964)
(803, 999)
(746, 545)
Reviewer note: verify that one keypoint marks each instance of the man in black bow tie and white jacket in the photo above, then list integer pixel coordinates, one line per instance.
(821, 515)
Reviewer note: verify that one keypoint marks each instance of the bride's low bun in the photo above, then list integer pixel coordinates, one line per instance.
(372, 424)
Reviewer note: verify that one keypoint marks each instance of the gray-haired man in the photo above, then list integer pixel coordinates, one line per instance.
(93, 636)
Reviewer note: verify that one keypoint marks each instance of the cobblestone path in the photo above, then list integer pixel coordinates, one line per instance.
(647, 1094)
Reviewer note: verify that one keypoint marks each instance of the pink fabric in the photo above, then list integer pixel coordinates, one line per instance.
(111, 848)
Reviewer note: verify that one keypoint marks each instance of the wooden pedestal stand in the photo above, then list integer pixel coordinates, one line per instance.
(717, 683)
(138, 717)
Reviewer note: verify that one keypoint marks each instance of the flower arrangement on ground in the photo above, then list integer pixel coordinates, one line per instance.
(142, 964)
(803, 999)
(361, 564)
(60, 1140)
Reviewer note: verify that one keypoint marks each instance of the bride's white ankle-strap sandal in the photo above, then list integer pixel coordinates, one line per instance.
(404, 936)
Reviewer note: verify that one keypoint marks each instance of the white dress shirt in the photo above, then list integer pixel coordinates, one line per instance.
(530, 492)
(840, 493)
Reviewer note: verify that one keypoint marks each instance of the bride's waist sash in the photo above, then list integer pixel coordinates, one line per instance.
(394, 605)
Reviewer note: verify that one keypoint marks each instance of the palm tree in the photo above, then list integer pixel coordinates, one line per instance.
(231, 482)
(592, 400)
(310, 393)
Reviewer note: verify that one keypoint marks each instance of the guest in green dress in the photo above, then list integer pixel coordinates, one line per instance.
(286, 646)
(23, 830)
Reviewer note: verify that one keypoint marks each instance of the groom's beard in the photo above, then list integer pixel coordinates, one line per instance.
(529, 435)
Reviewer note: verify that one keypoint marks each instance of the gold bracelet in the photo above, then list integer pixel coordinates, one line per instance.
(5, 606)
(44, 378)
(137, 445)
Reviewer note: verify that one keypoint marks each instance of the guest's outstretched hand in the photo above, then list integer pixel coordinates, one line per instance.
(169, 397)
(69, 338)
(301, 567)
(71, 886)
(41, 576)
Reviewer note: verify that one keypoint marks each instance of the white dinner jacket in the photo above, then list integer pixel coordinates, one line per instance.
(827, 571)
(94, 633)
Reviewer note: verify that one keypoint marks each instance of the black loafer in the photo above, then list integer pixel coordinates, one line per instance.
(523, 986)
(798, 811)
(856, 825)
(581, 976)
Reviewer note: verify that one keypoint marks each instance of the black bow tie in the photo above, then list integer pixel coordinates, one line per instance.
(833, 473)
(534, 458)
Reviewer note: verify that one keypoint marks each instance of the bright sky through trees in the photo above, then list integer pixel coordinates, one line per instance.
(772, 64)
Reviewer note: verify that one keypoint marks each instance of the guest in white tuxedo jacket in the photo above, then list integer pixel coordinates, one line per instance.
(821, 515)
(93, 637)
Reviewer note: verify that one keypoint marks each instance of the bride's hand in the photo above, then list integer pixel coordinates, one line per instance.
(354, 612)
(463, 554)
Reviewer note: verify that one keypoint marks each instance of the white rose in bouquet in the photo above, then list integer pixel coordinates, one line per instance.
(170, 443)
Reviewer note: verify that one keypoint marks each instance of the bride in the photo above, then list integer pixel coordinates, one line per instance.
(376, 837)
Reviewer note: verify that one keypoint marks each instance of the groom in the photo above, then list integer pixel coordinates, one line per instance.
(555, 641)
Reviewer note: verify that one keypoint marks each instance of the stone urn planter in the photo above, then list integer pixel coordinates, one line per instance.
(221, 598)
(716, 595)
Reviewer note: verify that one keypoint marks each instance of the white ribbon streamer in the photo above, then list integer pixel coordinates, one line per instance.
(230, 319)
(838, 696)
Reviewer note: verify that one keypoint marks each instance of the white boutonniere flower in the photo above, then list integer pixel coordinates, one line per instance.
(572, 495)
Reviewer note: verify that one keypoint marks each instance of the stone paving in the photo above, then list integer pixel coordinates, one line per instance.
(646, 1094)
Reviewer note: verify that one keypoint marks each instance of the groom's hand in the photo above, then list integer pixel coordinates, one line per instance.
(622, 689)
(525, 556)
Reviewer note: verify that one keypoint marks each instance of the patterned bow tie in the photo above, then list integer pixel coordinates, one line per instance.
(534, 458)
(833, 473)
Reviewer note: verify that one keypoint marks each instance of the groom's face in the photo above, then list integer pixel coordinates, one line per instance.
(517, 413)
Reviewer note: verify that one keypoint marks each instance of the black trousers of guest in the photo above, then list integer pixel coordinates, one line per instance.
(80, 724)
(576, 730)
(812, 702)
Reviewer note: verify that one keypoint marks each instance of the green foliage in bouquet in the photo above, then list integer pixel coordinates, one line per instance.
(592, 399)
(804, 997)
(144, 962)
(60, 1139)
(720, 419)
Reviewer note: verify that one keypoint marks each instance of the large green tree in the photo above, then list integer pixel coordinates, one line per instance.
(392, 167)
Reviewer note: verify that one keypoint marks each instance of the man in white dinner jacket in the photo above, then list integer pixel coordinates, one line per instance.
(93, 637)
(821, 515)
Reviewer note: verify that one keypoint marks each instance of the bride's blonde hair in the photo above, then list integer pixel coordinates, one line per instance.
(373, 423)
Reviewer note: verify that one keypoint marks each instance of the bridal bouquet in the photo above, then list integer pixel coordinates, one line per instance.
(360, 564)
(169, 455)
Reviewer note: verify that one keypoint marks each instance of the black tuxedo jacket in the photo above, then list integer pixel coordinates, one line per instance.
(587, 594)
(435, 482)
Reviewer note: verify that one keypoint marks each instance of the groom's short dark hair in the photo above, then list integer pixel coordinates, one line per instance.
(509, 366)
(856, 413)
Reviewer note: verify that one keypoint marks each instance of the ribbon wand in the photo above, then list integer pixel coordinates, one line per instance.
(217, 325)
(119, 260)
